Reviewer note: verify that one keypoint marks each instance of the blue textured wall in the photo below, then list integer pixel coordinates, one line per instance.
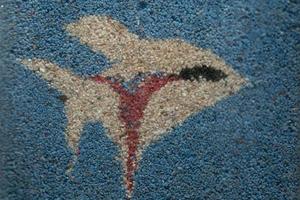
(242, 148)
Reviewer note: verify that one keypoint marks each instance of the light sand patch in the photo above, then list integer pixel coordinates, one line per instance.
(90, 100)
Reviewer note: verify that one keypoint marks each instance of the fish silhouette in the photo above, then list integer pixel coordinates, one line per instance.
(169, 81)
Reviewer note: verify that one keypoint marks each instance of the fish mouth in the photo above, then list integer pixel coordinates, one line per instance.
(198, 73)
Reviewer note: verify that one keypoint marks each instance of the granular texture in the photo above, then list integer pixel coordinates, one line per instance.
(149, 99)
(134, 119)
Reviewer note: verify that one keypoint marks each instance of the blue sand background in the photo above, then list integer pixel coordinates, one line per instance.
(244, 147)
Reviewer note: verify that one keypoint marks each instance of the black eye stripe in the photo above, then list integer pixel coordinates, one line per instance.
(207, 72)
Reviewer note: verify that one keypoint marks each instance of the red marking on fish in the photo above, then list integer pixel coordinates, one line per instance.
(132, 106)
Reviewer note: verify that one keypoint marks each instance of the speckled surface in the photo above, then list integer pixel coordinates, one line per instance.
(244, 147)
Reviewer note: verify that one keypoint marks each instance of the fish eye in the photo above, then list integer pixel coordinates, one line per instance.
(202, 71)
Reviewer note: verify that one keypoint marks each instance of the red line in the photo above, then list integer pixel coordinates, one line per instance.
(132, 106)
